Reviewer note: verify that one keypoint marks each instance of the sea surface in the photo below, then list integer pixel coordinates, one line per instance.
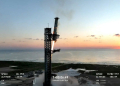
(93, 56)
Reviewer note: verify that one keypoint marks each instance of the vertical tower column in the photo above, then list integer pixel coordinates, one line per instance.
(47, 47)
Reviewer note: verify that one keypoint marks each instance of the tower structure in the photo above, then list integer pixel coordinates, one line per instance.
(47, 50)
(48, 37)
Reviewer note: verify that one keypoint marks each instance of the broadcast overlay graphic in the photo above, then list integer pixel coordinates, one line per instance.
(60, 43)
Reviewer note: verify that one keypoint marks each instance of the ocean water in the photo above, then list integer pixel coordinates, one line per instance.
(99, 56)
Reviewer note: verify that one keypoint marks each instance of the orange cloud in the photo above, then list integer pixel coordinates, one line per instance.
(118, 35)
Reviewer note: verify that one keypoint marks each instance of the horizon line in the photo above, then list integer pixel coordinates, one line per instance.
(60, 48)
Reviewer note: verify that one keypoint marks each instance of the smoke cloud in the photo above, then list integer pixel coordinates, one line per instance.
(62, 8)
(67, 14)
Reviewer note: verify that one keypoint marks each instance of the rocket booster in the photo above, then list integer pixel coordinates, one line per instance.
(55, 35)
(55, 25)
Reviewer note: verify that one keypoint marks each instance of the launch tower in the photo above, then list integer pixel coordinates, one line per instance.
(48, 37)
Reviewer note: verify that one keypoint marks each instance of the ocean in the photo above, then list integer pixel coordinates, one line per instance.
(93, 56)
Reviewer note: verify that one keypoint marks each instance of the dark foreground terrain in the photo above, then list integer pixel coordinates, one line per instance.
(31, 66)
(109, 72)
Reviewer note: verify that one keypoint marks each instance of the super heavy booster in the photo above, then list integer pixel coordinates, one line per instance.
(55, 35)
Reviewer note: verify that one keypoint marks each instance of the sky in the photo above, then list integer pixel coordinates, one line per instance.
(82, 23)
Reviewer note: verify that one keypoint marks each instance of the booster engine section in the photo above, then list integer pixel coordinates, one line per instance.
(55, 35)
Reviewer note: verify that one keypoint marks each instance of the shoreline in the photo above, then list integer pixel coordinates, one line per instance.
(94, 63)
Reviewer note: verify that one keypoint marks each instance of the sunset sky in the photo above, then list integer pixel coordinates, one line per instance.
(82, 23)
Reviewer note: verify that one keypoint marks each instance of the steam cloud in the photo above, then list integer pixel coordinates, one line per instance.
(71, 82)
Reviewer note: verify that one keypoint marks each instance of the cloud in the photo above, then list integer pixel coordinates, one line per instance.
(72, 81)
(65, 13)
(86, 40)
(36, 39)
(118, 35)
(3, 42)
(76, 36)
(101, 36)
(61, 10)
(65, 38)
(28, 38)
(92, 35)
(21, 41)
(95, 37)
